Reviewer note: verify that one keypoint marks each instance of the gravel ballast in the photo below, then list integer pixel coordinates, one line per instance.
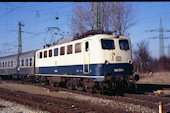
(12, 107)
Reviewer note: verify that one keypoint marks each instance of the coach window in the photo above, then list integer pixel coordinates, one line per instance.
(77, 47)
(30, 61)
(26, 62)
(22, 62)
(56, 52)
(50, 53)
(45, 54)
(8, 63)
(0, 64)
(87, 46)
(40, 54)
(11, 63)
(62, 50)
(69, 49)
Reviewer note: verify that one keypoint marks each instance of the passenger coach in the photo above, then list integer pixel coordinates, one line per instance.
(18, 65)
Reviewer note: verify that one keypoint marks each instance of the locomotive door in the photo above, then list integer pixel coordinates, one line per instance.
(86, 54)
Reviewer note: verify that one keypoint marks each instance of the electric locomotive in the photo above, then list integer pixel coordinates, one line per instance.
(94, 61)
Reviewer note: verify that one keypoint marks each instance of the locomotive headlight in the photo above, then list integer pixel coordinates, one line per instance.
(106, 62)
(130, 61)
(118, 58)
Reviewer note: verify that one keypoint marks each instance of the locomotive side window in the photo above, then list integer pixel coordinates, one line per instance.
(107, 44)
(124, 45)
(45, 54)
(69, 49)
(77, 47)
(87, 46)
(0, 64)
(50, 53)
(30, 61)
(62, 50)
(3, 64)
(56, 52)
(40, 54)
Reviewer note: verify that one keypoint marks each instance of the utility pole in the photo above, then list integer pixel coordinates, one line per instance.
(161, 38)
(19, 47)
(19, 38)
(168, 51)
(97, 15)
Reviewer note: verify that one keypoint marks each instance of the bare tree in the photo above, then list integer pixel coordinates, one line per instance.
(142, 56)
(117, 16)
(123, 17)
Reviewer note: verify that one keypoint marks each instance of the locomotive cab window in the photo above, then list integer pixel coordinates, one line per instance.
(124, 45)
(107, 44)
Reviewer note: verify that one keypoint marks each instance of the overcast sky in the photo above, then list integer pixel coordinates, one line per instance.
(38, 16)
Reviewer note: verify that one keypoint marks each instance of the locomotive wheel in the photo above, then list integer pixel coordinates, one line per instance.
(119, 89)
(70, 84)
(52, 83)
(89, 87)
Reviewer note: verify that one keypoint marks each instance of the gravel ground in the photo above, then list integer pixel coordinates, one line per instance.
(12, 107)
(129, 107)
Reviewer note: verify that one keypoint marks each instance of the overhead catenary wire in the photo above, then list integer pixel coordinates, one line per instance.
(1, 16)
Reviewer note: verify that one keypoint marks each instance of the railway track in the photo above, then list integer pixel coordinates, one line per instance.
(131, 100)
(150, 101)
(54, 105)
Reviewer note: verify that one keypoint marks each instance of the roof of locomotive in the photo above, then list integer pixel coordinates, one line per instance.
(73, 38)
